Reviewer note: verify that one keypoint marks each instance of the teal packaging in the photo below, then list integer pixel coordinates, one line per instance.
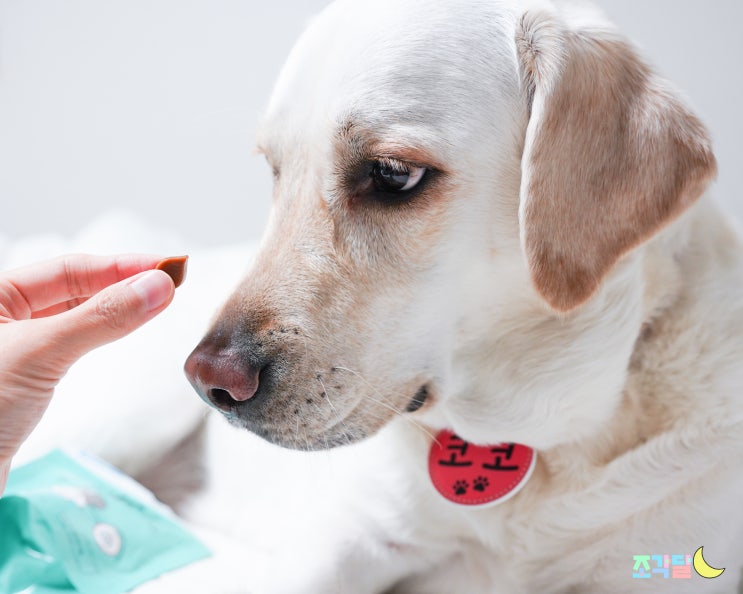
(73, 524)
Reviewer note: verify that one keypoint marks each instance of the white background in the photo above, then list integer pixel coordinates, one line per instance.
(152, 105)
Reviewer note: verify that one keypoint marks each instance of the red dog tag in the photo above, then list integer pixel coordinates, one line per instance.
(478, 475)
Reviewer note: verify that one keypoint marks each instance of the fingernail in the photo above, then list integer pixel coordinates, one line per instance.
(154, 287)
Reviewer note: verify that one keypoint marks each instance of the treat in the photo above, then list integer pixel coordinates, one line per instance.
(175, 268)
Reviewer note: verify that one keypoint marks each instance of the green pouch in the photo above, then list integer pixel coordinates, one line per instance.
(74, 524)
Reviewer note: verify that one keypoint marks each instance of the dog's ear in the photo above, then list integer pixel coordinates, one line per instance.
(611, 155)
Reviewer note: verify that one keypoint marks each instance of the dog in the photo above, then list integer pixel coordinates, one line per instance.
(490, 218)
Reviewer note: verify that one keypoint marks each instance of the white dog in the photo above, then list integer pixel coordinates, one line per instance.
(489, 218)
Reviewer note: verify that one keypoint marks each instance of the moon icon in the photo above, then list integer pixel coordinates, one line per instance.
(703, 568)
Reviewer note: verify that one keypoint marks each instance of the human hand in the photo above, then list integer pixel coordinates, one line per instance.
(51, 314)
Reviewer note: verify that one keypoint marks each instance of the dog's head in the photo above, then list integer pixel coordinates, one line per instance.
(457, 185)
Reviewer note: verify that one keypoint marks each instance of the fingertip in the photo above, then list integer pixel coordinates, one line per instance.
(155, 289)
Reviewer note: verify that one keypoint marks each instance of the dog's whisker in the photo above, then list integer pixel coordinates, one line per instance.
(324, 388)
(406, 418)
(336, 421)
(381, 400)
(327, 397)
(338, 416)
(306, 352)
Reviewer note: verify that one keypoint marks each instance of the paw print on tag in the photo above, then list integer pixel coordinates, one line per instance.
(481, 483)
(460, 487)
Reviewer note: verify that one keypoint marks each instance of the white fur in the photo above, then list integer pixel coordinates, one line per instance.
(641, 447)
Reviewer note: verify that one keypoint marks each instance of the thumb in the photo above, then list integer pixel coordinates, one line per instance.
(111, 314)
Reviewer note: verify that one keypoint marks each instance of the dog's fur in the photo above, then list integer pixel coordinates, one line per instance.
(559, 280)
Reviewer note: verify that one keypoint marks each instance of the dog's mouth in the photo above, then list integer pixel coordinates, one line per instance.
(343, 434)
(301, 431)
(419, 400)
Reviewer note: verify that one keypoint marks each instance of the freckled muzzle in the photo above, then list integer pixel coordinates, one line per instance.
(267, 383)
(297, 379)
(260, 382)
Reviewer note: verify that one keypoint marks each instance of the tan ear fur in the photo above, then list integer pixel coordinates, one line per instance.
(611, 156)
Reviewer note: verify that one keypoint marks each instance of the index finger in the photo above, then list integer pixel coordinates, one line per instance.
(42, 285)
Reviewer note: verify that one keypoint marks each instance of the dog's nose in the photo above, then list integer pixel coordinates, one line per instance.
(221, 378)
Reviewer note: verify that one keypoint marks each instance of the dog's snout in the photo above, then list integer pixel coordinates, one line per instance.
(222, 378)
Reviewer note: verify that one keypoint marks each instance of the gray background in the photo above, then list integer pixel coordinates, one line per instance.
(152, 105)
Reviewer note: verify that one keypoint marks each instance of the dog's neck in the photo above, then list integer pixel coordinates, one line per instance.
(546, 380)
(692, 275)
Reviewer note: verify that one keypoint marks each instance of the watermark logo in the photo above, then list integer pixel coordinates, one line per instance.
(703, 568)
(676, 567)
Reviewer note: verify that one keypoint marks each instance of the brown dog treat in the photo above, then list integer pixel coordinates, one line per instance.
(175, 268)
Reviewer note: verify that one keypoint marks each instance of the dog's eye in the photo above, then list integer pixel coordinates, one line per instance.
(396, 177)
